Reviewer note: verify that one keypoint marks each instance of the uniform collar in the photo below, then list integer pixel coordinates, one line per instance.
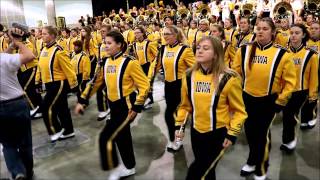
(295, 50)
(49, 45)
(118, 54)
(264, 47)
(174, 45)
(314, 40)
(203, 71)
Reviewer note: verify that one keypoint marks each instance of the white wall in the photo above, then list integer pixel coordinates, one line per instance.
(72, 10)
(35, 10)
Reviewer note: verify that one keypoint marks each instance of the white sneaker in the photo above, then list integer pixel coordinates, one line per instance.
(56, 136)
(121, 171)
(38, 115)
(67, 136)
(312, 123)
(255, 177)
(247, 170)
(304, 126)
(147, 106)
(169, 145)
(102, 115)
(291, 145)
(33, 111)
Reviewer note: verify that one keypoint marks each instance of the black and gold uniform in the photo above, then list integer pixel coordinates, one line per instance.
(230, 34)
(101, 95)
(229, 53)
(92, 51)
(129, 36)
(199, 34)
(39, 45)
(209, 104)
(309, 110)
(268, 81)
(146, 53)
(70, 46)
(282, 38)
(56, 73)
(191, 34)
(306, 67)
(121, 75)
(81, 66)
(242, 38)
(63, 43)
(26, 77)
(175, 60)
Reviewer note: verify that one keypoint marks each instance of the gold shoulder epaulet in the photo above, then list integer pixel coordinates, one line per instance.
(83, 53)
(312, 50)
(246, 44)
(59, 47)
(129, 56)
(281, 47)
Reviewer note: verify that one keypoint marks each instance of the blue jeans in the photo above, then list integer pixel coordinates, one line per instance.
(15, 136)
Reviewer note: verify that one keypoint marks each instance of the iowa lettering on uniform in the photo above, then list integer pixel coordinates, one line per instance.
(111, 69)
(203, 87)
(297, 61)
(169, 54)
(140, 48)
(44, 54)
(260, 60)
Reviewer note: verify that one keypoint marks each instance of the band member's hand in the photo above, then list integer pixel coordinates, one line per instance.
(226, 143)
(79, 109)
(132, 115)
(179, 134)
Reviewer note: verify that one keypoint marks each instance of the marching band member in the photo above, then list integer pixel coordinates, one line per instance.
(122, 76)
(218, 32)
(309, 109)
(204, 30)
(56, 73)
(268, 81)
(306, 88)
(209, 91)
(192, 32)
(89, 47)
(26, 77)
(244, 35)
(81, 65)
(175, 58)
(229, 31)
(146, 53)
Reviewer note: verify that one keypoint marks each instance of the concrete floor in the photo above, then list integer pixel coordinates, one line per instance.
(154, 163)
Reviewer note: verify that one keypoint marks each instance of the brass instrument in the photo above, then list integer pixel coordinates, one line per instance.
(130, 20)
(117, 19)
(282, 10)
(140, 19)
(183, 13)
(247, 10)
(204, 11)
(313, 7)
(151, 15)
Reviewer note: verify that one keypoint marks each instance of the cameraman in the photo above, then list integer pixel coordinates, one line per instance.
(15, 121)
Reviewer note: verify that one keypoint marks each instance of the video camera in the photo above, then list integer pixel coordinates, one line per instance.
(23, 28)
